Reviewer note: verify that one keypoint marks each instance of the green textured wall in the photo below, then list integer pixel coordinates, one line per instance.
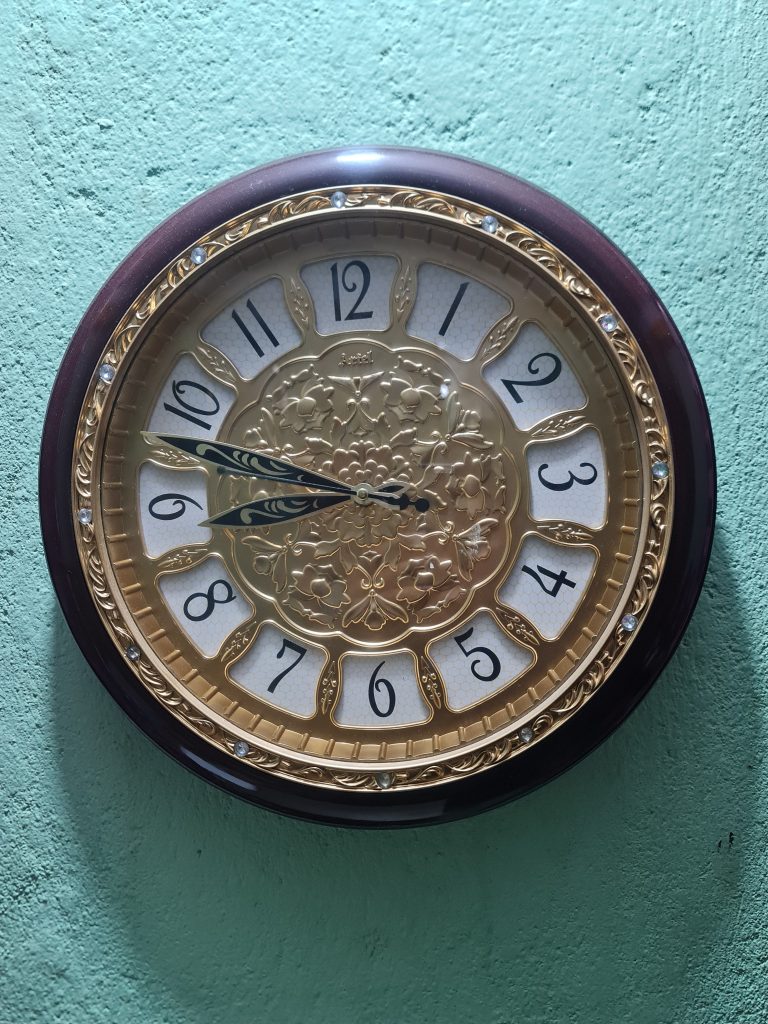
(633, 888)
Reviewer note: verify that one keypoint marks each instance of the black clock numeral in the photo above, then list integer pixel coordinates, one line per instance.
(300, 651)
(351, 282)
(554, 373)
(494, 663)
(210, 598)
(179, 504)
(374, 688)
(559, 579)
(265, 328)
(572, 478)
(454, 306)
(189, 410)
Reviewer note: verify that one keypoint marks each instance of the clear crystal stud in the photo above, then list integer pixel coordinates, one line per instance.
(338, 199)
(107, 373)
(608, 322)
(384, 780)
(526, 734)
(489, 224)
(629, 623)
(85, 516)
(444, 390)
(241, 748)
(132, 652)
(660, 470)
(198, 255)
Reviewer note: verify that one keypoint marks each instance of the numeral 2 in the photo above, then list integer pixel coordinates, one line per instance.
(554, 373)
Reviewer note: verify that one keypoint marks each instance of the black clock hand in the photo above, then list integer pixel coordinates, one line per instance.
(280, 509)
(234, 459)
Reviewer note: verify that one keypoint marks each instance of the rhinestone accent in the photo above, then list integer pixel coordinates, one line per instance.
(629, 623)
(526, 734)
(339, 199)
(198, 255)
(107, 373)
(384, 780)
(608, 322)
(660, 470)
(132, 652)
(241, 748)
(444, 390)
(489, 224)
(85, 516)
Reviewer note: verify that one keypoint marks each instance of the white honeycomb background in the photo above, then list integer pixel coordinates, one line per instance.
(581, 503)
(522, 592)
(160, 535)
(480, 308)
(209, 634)
(354, 708)
(297, 690)
(462, 688)
(538, 402)
(224, 333)
(317, 277)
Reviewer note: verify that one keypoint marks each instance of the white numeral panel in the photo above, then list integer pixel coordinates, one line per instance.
(568, 479)
(281, 671)
(192, 402)
(533, 379)
(478, 660)
(453, 311)
(256, 330)
(206, 603)
(172, 504)
(547, 583)
(351, 293)
(380, 691)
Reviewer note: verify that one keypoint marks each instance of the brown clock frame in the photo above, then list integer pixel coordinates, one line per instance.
(694, 493)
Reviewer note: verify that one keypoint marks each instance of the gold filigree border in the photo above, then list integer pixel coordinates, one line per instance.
(559, 270)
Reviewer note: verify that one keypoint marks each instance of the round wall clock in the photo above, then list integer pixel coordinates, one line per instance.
(377, 486)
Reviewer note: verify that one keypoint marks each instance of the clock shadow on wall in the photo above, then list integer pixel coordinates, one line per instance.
(631, 860)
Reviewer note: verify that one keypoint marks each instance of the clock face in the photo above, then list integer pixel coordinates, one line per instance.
(372, 489)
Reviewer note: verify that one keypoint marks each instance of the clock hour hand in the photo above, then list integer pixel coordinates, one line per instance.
(280, 509)
(233, 459)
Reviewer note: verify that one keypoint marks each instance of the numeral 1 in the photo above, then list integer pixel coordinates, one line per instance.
(454, 306)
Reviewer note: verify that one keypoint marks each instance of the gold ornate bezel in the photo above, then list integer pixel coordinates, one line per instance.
(575, 288)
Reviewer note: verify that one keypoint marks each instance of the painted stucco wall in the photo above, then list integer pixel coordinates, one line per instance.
(632, 889)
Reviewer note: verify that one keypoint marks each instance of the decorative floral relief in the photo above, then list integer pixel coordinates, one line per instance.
(396, 424)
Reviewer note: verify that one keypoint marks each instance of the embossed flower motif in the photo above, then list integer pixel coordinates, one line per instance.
(466, 485)
(421, 576)
(410, 401)
(374, 465)
(307, 409)
(365, 462)
(319, 582)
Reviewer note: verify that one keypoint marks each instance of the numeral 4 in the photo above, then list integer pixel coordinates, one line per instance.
(559, 579)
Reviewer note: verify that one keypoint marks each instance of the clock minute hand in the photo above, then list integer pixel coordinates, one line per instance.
(280, 509)
(234, 459)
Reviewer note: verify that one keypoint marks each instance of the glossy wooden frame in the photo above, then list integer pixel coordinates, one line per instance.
(694, 510)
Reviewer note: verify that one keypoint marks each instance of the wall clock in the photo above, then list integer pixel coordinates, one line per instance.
(377, 486)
